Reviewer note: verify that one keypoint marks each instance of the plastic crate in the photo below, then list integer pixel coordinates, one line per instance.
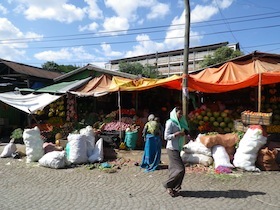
(256, 118)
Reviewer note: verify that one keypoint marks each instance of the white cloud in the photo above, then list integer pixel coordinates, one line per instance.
(126, 9)
(13, 42)
(205, 12)
(94, 12)
(158, 10)
(145, 46)
(70, 54)
(108, 50)
(3, 10)
(90, 27)
(223, 4)
(100, 64)
(58, 10)
(9, 53)
(177, 29)
(199, 13)
(33, 36)
(202, 13)
(114, 24)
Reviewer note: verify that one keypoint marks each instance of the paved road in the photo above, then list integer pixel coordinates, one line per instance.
(29, 186)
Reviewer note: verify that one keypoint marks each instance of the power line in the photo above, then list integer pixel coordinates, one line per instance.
(155, 39)
(108, 33)
(226, 23)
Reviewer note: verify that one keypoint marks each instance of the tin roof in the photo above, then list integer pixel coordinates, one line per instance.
(97, 69)
(30, 70)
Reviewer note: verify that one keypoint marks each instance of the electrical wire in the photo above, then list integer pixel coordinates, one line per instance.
(124, 32)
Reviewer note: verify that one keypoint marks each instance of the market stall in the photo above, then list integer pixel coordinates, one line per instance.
(256, 71)
(253, 70)
(103, 85)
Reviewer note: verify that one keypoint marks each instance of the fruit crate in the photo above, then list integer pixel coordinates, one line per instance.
(256, 118)
(273, 129)
(239, 126)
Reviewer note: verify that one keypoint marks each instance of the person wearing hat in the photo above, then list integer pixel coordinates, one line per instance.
(152, 150)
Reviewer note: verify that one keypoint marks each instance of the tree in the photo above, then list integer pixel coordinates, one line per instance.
(220, 55)
(138, 69)
(52, 66)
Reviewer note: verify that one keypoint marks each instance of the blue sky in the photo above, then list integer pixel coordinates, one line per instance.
(78, 32)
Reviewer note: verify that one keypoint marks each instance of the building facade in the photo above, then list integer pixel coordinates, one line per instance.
(171, 62)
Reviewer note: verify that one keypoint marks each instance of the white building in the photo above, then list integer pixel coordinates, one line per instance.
(171, 62)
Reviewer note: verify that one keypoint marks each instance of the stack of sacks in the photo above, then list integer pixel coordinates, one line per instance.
(94, 150)
(90, 137)
(195, 152)
(228, 141)
(249, 146)
(81, 147)
(33, 143)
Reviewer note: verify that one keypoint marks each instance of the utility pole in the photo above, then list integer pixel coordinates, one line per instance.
(185, 93)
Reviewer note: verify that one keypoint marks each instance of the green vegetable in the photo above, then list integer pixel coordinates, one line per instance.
(17, 133)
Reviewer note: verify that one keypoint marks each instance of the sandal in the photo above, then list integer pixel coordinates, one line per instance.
(177, 190)
(171, 192)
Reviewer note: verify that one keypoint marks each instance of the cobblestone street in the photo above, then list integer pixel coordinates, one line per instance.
(29, 186)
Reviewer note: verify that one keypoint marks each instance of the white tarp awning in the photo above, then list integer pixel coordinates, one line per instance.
(28, 103)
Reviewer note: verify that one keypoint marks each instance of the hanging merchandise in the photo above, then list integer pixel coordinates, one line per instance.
(71, 114)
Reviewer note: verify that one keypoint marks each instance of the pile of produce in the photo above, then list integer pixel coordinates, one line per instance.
(206, 120)
(110, 122)
(56, 109)
(271, 102)
(116, 126)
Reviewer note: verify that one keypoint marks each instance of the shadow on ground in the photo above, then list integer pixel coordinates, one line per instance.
(218, 194)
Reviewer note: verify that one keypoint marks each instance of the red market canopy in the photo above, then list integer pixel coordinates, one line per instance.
(252, 70)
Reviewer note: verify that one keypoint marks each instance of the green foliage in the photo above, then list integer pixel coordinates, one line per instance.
(220, 55)
(150, 71)
(138, 69)
(67, 68)
(52, 66)
(17, 133)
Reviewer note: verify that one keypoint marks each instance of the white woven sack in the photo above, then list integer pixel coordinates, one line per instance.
(77, 148)
(194, 158)
(248, 148)
(97, 155)
(54, 159)
(197, 147)
(8, 150)
(221, 157)
(33, 144)
(89, 133)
